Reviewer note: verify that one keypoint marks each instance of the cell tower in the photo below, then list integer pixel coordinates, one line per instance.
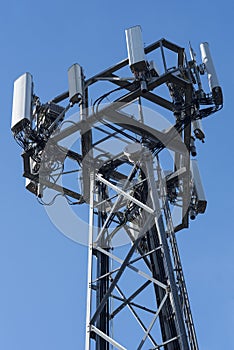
(139, 181)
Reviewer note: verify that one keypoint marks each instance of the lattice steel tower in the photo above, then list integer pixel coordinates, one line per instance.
(136, 174)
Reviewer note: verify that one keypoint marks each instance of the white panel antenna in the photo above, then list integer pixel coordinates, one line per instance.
(135, 47)
(211, 72)
(197, 182)
(22, 102)
(198, 129)
(209, 65)
(75, 83)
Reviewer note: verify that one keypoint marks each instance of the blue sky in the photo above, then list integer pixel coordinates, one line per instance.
(42, 273)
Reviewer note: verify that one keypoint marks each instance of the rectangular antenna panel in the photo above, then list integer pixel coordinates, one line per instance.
(31, 186)
(75, 83)
(196, 177)
(198, 129)
(211, 74)
(22, 102)
(209, 65)
(135, 47)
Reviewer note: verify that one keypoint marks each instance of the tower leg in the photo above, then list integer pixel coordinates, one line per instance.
(181, 331)
(90, 263)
